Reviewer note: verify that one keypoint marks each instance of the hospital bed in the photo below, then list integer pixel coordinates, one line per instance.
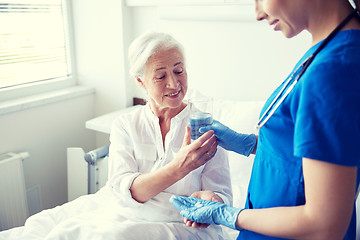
(239, 115)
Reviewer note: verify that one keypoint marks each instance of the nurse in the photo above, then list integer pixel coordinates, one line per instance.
(306, 169)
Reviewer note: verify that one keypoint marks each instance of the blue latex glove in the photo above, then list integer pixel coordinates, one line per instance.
(230, 140)
(202, 211)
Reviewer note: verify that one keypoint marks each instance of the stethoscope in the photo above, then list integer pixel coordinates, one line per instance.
(280, 97)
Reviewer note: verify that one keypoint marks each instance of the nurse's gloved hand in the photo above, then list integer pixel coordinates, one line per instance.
(230, 140)
(203, 211)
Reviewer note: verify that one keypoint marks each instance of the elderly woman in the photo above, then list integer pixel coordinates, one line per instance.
(151, 156)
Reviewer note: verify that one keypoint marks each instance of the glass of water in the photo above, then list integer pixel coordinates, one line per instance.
(201, 109)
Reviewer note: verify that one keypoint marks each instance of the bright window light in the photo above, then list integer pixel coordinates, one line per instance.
(33, 42)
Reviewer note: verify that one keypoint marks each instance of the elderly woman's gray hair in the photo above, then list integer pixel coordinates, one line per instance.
(143, 47)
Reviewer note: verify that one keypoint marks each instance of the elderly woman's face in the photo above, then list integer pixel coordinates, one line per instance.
(165, 78)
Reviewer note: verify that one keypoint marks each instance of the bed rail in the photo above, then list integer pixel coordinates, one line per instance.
(92, 158)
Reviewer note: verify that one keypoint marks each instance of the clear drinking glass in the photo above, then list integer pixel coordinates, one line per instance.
(201, 109)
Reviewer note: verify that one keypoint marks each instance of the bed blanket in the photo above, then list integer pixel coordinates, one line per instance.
(97, 216)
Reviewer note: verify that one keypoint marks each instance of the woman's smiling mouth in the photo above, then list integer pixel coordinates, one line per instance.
(174, 94)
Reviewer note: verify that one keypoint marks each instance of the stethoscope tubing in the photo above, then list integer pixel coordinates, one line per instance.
(270, 110)
(268, 113)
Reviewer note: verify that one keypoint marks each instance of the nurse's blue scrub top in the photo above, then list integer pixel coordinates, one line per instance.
(319, 119)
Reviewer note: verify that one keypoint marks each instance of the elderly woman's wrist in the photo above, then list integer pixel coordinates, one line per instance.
(177, 172)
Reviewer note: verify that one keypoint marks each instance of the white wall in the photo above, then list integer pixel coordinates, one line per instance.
(238, 59)
(99, 37)
(45, 132)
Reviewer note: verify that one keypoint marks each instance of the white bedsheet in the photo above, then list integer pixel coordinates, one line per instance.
(96, 216)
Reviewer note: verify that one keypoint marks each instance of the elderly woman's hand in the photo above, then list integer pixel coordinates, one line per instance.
(204, 195)
(195, 154)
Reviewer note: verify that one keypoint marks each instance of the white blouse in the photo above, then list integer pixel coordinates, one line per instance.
(137, 147)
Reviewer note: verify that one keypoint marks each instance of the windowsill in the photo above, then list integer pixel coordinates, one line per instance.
(42, 99)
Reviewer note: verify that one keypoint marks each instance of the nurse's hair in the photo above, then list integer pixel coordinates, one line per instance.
(146, 45)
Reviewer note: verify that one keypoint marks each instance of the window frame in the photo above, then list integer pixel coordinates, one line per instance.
(29, 89)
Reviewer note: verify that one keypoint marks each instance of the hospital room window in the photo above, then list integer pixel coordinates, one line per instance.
(34, 45)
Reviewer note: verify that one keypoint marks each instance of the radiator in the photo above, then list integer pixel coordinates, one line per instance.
(13, 201)
(86, 172)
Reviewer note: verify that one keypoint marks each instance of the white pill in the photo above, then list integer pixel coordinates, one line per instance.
(198, 205)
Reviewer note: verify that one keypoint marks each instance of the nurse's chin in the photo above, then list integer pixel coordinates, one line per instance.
(290, 33)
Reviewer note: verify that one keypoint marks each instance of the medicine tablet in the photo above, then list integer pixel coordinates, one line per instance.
(198, 205)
